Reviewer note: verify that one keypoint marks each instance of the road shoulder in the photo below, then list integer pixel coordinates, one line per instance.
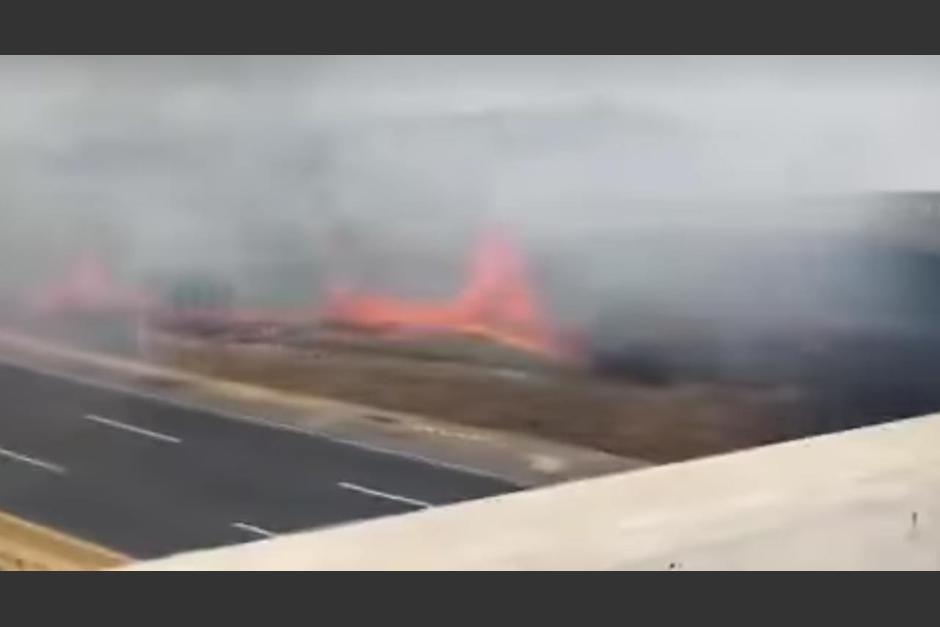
(523, 460)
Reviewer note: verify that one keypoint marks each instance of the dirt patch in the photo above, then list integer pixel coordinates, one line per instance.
(28, 546)
(657, 424)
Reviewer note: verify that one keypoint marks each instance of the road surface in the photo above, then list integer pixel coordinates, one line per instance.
(148, 476)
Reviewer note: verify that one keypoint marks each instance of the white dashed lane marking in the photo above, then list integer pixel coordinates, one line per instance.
(32, 461)
(132, 429)
(253, 529)
(383, 495)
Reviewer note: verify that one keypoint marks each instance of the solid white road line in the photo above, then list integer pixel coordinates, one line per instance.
(384, 495)
(32, 461)
(131, 428)
(264, 533)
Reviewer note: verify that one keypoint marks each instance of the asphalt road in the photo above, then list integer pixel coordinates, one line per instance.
(150, 477)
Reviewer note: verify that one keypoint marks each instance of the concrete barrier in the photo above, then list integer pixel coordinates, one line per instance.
(28, 546)
(864, 499)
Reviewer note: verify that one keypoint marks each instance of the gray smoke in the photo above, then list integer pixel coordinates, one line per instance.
(639, 184)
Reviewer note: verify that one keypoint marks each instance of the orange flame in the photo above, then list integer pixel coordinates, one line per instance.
(497, 304)
(89, 287)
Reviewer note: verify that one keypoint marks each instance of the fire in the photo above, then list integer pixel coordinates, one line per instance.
(497, 303)
(88, 287)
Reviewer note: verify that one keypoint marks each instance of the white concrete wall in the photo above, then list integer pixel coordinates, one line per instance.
(865, 499)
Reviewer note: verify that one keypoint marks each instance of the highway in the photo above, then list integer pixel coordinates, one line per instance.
(148, 476)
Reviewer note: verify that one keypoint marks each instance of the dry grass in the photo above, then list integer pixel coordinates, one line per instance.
(657, 424)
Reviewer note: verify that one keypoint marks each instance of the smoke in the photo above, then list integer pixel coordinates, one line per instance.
(695, 186)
